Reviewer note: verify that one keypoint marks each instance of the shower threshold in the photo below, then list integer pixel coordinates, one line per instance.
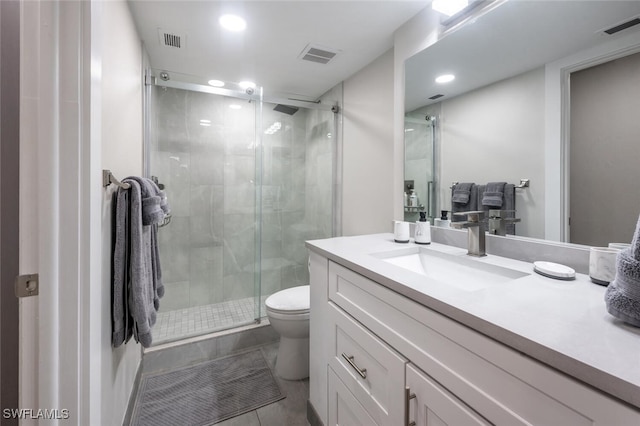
(197, 320)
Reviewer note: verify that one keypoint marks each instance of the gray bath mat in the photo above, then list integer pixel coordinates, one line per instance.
(207, 393)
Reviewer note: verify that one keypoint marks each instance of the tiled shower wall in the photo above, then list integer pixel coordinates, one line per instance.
(208, 249)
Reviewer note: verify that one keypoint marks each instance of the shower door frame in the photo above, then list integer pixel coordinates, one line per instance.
(433, 184)
(256, 95)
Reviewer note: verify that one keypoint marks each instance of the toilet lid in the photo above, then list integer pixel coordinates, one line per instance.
(292, 300)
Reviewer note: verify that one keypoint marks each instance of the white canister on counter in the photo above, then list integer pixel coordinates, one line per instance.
(423, 230)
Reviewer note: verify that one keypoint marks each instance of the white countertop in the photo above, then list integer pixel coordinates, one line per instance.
(563, 324)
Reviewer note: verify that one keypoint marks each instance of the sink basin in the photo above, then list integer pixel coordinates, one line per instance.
(456, 270)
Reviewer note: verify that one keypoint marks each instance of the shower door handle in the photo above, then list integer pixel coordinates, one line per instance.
(430, 203)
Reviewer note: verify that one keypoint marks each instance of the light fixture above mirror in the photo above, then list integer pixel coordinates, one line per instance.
(449, 7)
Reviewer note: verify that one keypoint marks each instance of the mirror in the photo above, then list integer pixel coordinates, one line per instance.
(491, 119)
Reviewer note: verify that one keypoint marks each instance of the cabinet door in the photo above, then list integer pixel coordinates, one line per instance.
(371, 370)
(344, 408)
(433, 405)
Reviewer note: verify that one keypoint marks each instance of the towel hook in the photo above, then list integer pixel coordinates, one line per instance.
(108, 178)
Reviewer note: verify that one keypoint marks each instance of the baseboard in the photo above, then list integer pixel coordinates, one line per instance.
(132, 396)
(312, 415)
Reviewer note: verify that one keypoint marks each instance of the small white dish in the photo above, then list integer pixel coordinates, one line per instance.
(554, 270)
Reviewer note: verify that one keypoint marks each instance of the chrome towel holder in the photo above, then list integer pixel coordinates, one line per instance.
(108, 178)
(524, 183)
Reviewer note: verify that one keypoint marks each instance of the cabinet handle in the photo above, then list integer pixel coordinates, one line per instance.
(408, 396)
(362, 372)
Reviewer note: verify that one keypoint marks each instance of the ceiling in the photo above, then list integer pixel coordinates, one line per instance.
(516, 37)
(277, 32)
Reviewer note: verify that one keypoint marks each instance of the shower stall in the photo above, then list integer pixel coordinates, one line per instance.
(248, 181)
(420, 166)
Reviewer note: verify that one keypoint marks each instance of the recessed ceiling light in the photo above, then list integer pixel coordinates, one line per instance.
(445, 78)
(247, 84)
(235, 106)
(449, 7)
(216, 83)
(232, 23)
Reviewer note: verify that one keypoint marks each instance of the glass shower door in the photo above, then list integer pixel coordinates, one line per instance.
(203, 148)
(298, 181)
(419, 167)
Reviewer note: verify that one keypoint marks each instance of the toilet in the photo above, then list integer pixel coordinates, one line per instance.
(288, 313)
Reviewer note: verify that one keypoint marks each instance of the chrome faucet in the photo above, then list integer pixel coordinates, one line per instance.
(475, 225)
(498, 224)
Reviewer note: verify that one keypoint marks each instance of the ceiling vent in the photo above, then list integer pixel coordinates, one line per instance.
(319, 54)
(623, 26)
(434, 97)
(172, 39)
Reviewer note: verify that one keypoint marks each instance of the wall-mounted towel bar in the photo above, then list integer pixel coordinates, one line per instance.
(108, 179)
(524, 183)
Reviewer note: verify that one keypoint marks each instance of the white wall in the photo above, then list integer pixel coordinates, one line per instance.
(493, 134)
(368, 169)
(121, 134)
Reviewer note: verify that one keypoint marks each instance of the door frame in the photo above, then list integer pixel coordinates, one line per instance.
(60, 209)
(9, 203)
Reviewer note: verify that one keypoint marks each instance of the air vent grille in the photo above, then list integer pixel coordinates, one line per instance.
(623, 26)
(318, 54)
(171, 39)
(434, 97)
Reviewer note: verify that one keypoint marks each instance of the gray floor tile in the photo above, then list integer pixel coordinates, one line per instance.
(247, 419)
(291, 411)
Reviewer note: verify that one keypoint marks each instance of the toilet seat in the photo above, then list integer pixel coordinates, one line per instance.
(291, 301)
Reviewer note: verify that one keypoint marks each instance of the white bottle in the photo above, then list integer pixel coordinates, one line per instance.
(423, 230)
(413, 199)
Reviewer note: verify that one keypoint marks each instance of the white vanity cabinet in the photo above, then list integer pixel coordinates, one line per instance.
(429, 404)
(458, 376)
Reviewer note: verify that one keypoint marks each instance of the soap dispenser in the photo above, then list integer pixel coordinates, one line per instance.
(443, 221)
(423, 230)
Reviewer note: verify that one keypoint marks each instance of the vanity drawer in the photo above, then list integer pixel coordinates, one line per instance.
(371, 370)
(498, 382)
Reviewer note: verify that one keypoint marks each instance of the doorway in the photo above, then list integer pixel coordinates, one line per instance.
(603, 152)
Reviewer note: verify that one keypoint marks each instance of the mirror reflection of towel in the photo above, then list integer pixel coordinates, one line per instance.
(493, 195)
(462, 192)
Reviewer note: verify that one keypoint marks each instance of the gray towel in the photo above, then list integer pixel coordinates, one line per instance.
(461, 193)
(509, 203)
(154, 201)
(470, 205)
(493, 195)
(154, 209)
(137, 278)
(141, 297)
(120, 317)
(623, 294)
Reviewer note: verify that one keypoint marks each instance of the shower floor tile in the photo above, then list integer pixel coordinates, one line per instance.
(189, 322)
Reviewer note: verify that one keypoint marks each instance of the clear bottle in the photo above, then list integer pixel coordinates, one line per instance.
(413, 199)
